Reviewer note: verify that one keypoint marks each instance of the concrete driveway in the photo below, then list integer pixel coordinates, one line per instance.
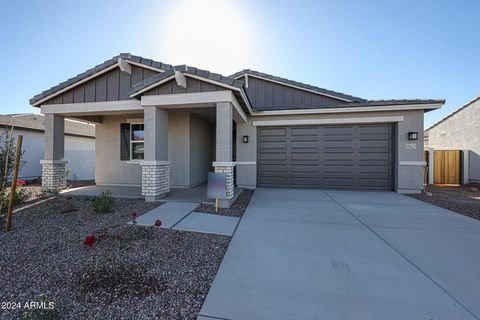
(313, 254)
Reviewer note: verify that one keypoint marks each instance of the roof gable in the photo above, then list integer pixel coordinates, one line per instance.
(138, 75)
(198, 80)
(204, 75)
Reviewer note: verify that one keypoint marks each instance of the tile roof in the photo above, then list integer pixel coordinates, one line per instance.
(36, 122)
(297, 84)
(169, 70)
(97, 68)
(188, 70)
(366, 103)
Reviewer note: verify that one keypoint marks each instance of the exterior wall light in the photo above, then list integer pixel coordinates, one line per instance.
(413, 136)
(245, 139)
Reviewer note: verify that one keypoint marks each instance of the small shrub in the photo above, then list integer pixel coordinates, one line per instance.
(19, 196)
(47, 193)
(104, 203)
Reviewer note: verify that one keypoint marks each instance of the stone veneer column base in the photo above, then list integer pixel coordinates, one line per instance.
(227, 168)
(155, 179)
(54, 174)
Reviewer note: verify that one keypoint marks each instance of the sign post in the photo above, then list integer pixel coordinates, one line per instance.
(217, 187)
(18, 154)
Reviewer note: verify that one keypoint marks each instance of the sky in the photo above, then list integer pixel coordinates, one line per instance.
(372, 49)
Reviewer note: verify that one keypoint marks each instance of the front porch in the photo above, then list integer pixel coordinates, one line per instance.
(160, 148)
(196, 194)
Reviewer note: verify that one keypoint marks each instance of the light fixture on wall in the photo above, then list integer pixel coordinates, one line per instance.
(245, 139)
(413, 136)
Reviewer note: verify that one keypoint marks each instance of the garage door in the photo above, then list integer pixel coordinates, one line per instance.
(343, 156)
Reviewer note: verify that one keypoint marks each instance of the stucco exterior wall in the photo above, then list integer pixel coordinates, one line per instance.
(178, 148)
(190, 145)
(79, 152)
(246, 167)
(110, 170)
(461, 131)
(201, 149)
(408, 154)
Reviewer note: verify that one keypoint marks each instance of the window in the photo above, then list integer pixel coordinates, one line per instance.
(136, 141)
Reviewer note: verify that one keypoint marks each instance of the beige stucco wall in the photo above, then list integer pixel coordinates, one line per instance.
(201, 149)
(178, 147)
(110, 170)
(461, 131)
(187, 134)
(409, 177)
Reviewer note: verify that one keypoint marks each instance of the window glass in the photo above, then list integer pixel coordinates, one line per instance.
(137, 132)
(137, 150)
(136, 141)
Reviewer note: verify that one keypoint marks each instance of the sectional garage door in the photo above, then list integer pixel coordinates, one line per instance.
(341, 156)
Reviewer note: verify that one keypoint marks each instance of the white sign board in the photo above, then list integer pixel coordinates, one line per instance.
(217, 185)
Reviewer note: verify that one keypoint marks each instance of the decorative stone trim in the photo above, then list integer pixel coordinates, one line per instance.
(223, 164)
(54, 174)
(155, 180)
(228, 170)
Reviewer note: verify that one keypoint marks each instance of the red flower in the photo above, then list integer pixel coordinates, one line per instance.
(21, 182)
(158, 223)
(89, 240)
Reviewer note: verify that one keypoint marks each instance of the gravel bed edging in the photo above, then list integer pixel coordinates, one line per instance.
(236, 210)
(463, 199)
(129, 272)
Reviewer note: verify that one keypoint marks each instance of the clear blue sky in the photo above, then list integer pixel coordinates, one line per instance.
(372, 49)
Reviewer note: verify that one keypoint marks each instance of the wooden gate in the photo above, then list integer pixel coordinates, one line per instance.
(446, 166)
(425, 167)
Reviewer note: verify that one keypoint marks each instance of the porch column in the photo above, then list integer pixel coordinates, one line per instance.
(224, 147)
(53, 164)
(155, 167)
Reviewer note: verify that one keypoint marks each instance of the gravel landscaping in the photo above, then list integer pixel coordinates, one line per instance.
(128, 272)
(236, 210)
(462, 199)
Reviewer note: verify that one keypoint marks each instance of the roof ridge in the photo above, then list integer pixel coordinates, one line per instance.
(301, 85)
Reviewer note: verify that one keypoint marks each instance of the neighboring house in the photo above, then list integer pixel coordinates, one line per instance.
(460, 130)
(79, 145)
(160, 126)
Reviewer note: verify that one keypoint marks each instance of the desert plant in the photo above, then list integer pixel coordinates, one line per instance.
(19, 196)
(103, 203)
(7, 155)
(7, 159)
(67, 172)
(47, 193)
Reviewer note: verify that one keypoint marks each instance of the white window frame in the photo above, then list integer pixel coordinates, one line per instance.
(132, 142)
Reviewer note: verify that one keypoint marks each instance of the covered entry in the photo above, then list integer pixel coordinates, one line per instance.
(335, 156)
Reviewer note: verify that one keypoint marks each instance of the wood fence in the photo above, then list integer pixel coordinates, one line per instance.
(447, 166)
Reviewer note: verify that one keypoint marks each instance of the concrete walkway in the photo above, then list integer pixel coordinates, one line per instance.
(313, 254)
(180, 216)
(169, 214)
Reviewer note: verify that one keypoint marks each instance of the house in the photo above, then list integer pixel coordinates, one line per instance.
(79, 145)
(460, 130)
(160, 126)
